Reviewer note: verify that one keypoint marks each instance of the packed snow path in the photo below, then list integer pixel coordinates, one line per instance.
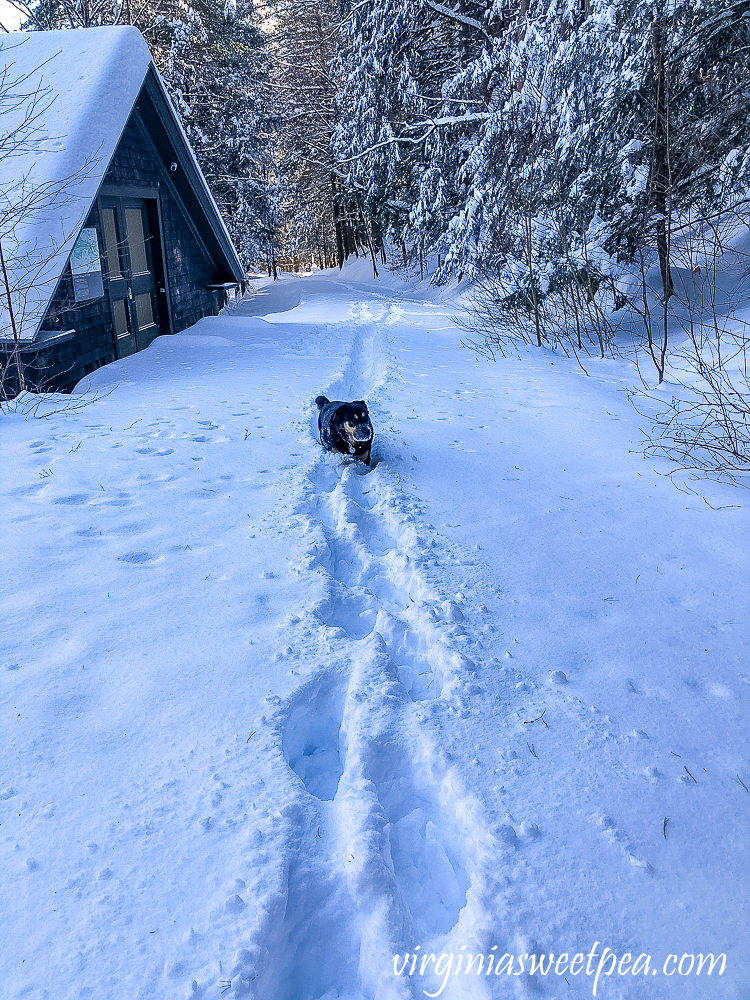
(273, 718)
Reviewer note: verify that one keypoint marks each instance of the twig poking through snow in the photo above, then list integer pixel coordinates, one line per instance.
(664, 827)
(530, 722)
(685, 766)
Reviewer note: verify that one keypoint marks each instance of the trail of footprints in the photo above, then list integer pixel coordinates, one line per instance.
(141, 439)
(390, 847)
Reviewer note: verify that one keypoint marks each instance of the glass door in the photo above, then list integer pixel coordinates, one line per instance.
(130, 251)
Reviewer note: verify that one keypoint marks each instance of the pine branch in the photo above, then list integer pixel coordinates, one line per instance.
(470, 116)
(455, 15)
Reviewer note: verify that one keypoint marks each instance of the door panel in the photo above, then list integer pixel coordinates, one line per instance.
(115, 248)
(121, 316)
(130, 248)
(144, 312)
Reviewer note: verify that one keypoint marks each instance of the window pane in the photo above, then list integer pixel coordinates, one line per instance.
(110, 242)
(136, 240)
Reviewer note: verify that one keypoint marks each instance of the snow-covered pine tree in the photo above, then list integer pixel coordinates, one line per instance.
(610, 125)
(391, 146)
(301, 38)
(217, 71)
(374, 83)
(416, 91)
(655, 137)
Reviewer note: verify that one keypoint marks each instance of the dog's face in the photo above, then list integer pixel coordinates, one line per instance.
(355, 422)
(345, 427)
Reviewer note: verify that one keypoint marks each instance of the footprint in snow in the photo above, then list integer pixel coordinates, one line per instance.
(75, 498)
(21, 491)
(121, 501)
(310, 741)
(352, 612)
(324, 477)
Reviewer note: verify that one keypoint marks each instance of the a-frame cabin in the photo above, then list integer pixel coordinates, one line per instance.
(108, 231)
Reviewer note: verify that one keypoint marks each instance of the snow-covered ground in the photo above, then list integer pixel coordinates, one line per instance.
(271, 719)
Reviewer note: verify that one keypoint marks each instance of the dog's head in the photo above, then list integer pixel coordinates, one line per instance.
(355, 422)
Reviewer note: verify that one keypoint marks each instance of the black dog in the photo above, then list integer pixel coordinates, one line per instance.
(345, 427)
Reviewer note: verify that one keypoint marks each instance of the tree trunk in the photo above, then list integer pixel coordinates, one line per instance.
(660, 169)
(372, 254)
(337, 222)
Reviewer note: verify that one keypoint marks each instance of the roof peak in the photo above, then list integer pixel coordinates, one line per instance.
(68, 96)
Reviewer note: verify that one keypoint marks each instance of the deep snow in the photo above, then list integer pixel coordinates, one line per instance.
(267, 716)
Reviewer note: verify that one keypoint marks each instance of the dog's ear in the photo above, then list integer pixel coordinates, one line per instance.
(360, 402)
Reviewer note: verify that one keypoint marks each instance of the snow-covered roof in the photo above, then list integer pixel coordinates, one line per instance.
(65, 99)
